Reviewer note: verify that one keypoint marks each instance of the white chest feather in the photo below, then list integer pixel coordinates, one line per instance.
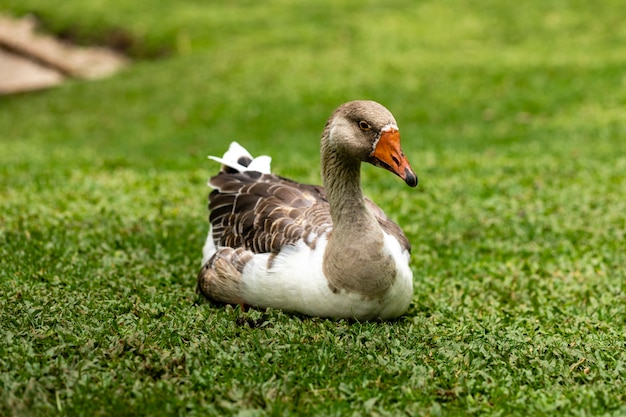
(294, 281)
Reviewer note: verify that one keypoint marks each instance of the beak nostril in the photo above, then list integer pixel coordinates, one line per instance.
(396, 160)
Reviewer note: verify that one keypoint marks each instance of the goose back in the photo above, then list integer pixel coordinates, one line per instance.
(264, 213)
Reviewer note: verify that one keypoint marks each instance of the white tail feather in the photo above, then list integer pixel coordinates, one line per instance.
(235, 152)
(261, 164)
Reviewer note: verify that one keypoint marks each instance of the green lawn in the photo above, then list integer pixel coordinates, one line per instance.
(513, 116)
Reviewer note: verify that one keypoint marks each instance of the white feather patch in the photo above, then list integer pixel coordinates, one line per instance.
(235, 152)
(388, 127)
(296, 282)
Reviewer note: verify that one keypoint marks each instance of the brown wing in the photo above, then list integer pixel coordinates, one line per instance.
(387, 225)
(264, 212)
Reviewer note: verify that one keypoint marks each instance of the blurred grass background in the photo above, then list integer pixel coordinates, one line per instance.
(512, 116)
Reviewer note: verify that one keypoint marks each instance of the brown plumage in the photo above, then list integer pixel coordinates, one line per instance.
(326, 251)
(264, 212)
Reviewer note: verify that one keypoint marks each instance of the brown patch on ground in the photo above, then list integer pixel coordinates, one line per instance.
(32, 61)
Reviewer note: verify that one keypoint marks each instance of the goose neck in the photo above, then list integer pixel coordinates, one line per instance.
(342, 180)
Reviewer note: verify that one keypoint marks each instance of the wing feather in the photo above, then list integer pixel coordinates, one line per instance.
(387, 225)
(265, 212)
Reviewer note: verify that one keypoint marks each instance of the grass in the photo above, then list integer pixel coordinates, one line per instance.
(513, 118)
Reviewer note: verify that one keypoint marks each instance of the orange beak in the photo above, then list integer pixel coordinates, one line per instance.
(388, 154)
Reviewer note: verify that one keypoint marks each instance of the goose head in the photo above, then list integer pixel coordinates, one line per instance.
(365, 131)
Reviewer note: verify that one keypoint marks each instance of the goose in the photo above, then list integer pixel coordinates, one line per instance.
(319, 251)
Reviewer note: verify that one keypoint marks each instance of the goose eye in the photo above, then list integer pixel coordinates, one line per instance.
(364, 125)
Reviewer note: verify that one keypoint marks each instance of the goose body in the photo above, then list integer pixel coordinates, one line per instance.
(321, 251)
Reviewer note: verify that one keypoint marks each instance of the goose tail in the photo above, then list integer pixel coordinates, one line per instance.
(238, 159)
